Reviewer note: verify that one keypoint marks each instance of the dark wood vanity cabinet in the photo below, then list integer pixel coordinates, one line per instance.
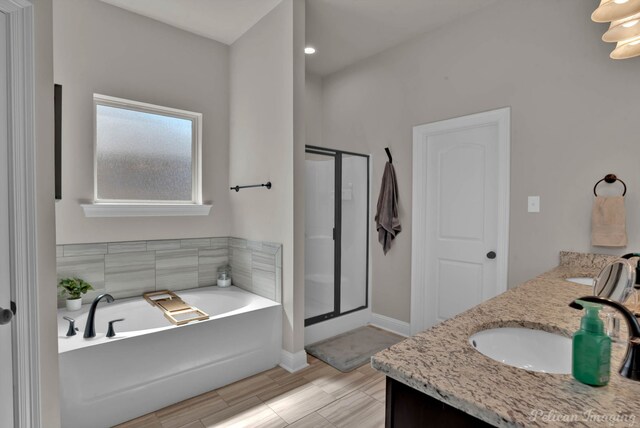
(409, 408)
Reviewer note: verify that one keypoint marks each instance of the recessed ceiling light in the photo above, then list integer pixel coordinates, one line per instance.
(309, 50)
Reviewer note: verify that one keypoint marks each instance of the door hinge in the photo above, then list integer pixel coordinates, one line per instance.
(13, 307)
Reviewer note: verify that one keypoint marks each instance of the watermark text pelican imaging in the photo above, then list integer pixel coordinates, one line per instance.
(589, 416)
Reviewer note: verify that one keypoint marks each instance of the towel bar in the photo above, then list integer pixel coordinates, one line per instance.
(237, 188)
(610, 178)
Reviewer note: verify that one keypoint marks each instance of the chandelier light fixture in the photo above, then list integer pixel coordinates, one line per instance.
(627, 49)
(624, 30)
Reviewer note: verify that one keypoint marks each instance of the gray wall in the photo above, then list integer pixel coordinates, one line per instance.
(261, 147)
(103, 49)
(45, 215)
(574, 119)
(246, 94)
(313, 109)
(299, 140)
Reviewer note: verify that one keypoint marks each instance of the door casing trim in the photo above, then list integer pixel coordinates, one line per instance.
(500, 117)
(22, 211)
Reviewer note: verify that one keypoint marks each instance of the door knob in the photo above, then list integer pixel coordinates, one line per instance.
(5, 316)
(491, 255)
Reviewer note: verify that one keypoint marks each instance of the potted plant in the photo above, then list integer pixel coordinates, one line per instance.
(73, 288)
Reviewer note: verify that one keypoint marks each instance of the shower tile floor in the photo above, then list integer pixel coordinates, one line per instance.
(318, 396)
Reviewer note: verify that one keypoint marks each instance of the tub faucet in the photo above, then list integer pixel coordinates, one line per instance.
(631, 364)
(90, 328)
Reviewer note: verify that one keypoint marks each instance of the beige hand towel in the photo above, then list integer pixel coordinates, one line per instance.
(608, 222)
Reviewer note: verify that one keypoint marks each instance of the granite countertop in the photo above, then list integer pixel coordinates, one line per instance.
(441, 363)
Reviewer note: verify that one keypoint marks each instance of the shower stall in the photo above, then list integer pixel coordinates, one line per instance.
(336, 233)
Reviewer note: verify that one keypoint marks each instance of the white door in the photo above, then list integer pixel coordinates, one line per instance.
(6, 366)
(463, 208)
(462, 184)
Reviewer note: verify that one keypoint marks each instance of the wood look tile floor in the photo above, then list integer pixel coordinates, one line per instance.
(318, 396)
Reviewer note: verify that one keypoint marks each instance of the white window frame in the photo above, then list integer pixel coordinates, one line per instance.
(137, 208)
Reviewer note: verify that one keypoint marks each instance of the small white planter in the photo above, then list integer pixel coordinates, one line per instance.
(224, 282)
(74, 304)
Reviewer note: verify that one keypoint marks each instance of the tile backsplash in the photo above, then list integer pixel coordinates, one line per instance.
(128, 269)
(585, 260)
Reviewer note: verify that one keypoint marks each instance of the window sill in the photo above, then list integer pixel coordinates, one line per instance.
(144, 210)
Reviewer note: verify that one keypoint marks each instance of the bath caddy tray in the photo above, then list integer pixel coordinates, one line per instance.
(175, 309)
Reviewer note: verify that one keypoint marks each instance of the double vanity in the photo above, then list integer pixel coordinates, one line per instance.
(442, 377)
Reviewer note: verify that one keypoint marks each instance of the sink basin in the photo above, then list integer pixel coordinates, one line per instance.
(525, 348)
(582, 280)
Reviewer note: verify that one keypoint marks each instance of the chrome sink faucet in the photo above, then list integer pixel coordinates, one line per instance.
(631, 364)
(90, 328)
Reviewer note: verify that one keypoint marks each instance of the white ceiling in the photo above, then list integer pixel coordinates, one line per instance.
(221, 20)
(347, 31)
(342, 31)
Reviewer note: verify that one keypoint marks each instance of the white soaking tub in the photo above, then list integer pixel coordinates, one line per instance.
(151, 363)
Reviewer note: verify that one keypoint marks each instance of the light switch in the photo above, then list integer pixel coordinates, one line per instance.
(533, 205)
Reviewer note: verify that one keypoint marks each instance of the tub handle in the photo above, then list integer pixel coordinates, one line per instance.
(110, 331)
(72, 326)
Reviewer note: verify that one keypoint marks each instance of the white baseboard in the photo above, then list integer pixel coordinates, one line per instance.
(391, 324)
(293, 362)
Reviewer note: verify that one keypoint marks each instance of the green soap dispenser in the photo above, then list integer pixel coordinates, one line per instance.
(591, 348)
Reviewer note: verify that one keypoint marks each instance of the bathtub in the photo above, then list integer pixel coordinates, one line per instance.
(151, 363)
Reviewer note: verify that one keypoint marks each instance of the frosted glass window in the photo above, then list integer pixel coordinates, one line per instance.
(145, 156)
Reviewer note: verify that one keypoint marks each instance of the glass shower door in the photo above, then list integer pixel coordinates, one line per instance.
(319, 253)
(354, 241)
(336, 233)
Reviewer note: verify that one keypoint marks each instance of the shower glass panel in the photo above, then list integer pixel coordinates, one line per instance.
(319, 245)
(354, 243)
(336, 233)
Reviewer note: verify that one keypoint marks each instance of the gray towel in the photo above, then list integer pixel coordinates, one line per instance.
(387, 222)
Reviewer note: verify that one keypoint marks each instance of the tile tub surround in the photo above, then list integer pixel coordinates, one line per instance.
(128, 269)
(441, 363)
(256, 266)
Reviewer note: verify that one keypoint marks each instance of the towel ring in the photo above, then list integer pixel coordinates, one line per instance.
(610, 178)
